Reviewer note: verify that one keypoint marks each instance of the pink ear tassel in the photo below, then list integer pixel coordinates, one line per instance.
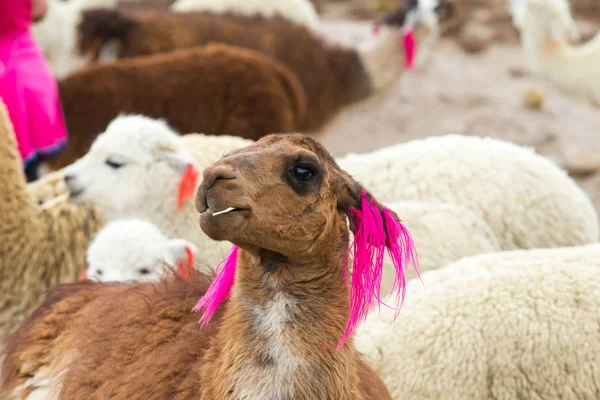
(410, 45)
(220, 287)
(370, 241)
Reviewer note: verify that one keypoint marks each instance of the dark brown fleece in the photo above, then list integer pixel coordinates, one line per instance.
(216, 89)
(331, 76)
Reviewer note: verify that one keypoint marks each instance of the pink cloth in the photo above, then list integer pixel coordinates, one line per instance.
(26, 85)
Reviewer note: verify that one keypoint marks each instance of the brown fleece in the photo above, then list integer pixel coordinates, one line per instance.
(269, 340)
(41, 245)
(332, 77)
(216, 89)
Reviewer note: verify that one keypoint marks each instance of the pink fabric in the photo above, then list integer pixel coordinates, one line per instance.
(27, 87)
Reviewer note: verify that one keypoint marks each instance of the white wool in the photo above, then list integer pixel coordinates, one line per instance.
(56, 33)
(572, 68)
(152, 160)
(442, 233)
(525, 198)
(300, 11)
(509, 325)
(134, 250)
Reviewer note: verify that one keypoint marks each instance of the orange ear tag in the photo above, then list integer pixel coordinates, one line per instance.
(185, 267)
(83, 276)
(187, 185)
(550, 47)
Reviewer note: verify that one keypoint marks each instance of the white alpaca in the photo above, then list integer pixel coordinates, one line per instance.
(300, 11)
(526, 199)
(56, 33)
(545, 26)
(136, 250)
(508, 325)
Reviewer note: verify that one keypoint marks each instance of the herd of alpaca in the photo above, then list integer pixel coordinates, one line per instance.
(157, 262)
(284, 203)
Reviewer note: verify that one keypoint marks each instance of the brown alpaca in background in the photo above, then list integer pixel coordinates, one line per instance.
(284, 202)
(216, 89)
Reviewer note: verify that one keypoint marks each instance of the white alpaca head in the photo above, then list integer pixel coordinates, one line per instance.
(551, 19)
(135, 250)
(134, 168)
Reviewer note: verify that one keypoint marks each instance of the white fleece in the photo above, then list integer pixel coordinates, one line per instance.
(510, 325)
(525, 198)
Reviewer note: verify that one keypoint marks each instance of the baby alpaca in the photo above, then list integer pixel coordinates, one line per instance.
(136, 250)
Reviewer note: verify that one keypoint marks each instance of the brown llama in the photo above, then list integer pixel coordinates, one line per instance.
(284, 203)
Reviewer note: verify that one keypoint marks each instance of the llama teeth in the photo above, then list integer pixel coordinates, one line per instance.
(225, 211)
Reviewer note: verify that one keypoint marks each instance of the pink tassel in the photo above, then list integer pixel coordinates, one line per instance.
(219, 289)
(370, 242)
(410, 46)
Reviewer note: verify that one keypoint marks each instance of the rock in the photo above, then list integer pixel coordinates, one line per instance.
(534, 98)
(475, 37)
(517, 72)
(582, 161)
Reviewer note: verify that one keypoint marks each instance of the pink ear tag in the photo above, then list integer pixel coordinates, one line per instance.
(410, 46)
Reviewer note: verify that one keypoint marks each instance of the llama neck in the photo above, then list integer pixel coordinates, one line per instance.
(280, 320)
(383, 60)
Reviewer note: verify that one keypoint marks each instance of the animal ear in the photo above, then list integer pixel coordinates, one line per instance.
(190, 176)
(184, 255)
(352, 197)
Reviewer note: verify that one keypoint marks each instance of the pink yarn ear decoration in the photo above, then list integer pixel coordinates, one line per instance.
(375, 232)
(219, 289)
(410, 45)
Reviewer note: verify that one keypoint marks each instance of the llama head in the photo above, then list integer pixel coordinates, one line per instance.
(137, 164)
(136, 250)
(415, 13)
(286, 195)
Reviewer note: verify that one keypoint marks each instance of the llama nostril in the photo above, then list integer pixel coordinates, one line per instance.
(69, 179)
(217, 176)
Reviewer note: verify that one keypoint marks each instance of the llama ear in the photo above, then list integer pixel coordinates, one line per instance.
(176, 161)
(190, 176)
(352, 196)
(183, 253)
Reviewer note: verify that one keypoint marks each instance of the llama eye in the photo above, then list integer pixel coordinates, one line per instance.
(99, 272)
(144, 271)
(114, 163)
(302, 173)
